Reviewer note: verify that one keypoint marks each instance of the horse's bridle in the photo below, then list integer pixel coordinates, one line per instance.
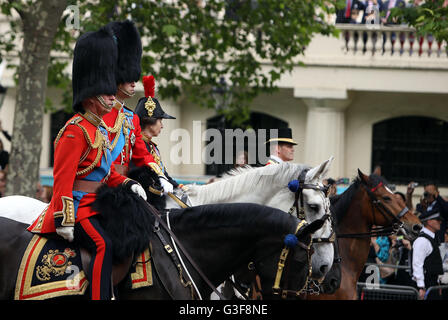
(282, 272)
(395, 220)
(300, 210)
(283, 267)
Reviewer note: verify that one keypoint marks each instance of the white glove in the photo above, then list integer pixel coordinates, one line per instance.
(66, 232)
(136, 188)
(166, 185)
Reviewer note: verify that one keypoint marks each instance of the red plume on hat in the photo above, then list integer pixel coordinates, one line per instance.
(149, 85)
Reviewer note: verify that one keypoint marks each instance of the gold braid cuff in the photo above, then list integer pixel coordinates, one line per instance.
(67, 213)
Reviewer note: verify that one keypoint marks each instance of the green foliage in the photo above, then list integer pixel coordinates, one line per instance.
(431, 17)
(189, 47)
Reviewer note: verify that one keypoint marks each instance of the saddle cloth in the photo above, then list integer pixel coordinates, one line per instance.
(52, 268)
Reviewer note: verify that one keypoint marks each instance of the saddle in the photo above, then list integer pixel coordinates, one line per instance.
(52, 267)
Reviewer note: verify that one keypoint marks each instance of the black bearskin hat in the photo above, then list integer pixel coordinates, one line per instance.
(129, 51)
(149, 106)
(94, 62)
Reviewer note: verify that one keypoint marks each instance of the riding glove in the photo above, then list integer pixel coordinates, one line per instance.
(166, 185)
(136, 188)
(66, 232)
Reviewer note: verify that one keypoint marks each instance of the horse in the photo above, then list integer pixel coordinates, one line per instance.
(367, 202)
(268, 186)
(219, 239)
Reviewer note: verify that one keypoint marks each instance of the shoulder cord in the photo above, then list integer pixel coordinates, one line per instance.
(99, 141)
(180, 257)
(116, 128)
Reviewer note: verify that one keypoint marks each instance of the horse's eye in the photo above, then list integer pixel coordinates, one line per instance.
(386, 198)
(314, 207)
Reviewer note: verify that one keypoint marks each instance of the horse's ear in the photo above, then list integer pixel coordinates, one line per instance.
(363, 177)
(377, 171)
(319, 173)
(311, 228)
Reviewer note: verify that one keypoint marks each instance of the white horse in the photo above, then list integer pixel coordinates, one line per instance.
(268, 186)
(264, 185)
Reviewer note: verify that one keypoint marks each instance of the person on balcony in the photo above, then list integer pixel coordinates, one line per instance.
(388, 6)
(372, 12)
(345, 15)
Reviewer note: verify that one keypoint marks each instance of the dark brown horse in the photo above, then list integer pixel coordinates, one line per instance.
(218, 237)
(366, 203)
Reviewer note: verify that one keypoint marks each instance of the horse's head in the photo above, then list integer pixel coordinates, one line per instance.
(388, 210)
(292, 279)
(313, 204)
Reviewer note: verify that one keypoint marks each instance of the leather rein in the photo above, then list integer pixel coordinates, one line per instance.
(395, 220)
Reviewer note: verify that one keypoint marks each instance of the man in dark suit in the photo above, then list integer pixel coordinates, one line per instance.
(433, 202)
(344, 16)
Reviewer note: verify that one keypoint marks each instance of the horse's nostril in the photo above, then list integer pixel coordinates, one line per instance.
(324, 269)
(417, 227)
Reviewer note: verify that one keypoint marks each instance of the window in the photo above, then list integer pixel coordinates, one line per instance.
(411, 149)
(257, 121)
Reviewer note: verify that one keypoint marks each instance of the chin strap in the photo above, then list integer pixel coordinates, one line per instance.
(103, 103)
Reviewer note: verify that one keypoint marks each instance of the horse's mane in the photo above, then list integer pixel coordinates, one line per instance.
(244, 179)
(340, 203)
(247, 216)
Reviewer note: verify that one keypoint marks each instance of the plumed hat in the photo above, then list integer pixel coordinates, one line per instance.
(94, 64)
(149, 107)
(129, 51)
(284, 135)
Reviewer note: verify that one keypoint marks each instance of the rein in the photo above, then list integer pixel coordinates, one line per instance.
(379, 231)
(182, 249)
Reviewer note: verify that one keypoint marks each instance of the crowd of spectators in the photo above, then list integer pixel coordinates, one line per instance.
(371, 11)
(394, 254)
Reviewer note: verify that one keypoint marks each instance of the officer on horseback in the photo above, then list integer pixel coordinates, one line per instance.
(281, 147)
(151, 115)
(122, 124)
(83, 160)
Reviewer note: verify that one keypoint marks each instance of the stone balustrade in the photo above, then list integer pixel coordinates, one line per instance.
(396, 41)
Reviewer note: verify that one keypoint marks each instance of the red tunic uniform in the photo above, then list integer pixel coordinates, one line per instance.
(126, 139)
(82, 153)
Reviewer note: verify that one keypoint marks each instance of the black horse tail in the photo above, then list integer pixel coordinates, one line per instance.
(148, 178)
(126, 219)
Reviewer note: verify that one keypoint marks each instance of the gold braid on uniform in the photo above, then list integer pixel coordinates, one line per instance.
(116, 128)
(99, 142)
(156, 167)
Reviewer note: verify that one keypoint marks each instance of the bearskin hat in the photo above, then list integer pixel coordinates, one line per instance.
(94, 63)
(129, 51)
(149, 106)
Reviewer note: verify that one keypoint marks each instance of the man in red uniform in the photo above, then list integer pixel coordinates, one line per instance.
(82, 159)
(123, 125)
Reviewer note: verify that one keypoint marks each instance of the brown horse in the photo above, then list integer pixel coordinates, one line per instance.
(366, 203)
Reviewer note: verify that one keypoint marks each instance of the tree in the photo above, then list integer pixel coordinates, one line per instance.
(428, 17)
(189, 46)
(39, 22)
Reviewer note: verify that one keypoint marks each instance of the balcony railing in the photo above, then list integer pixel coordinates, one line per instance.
(395, 41)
